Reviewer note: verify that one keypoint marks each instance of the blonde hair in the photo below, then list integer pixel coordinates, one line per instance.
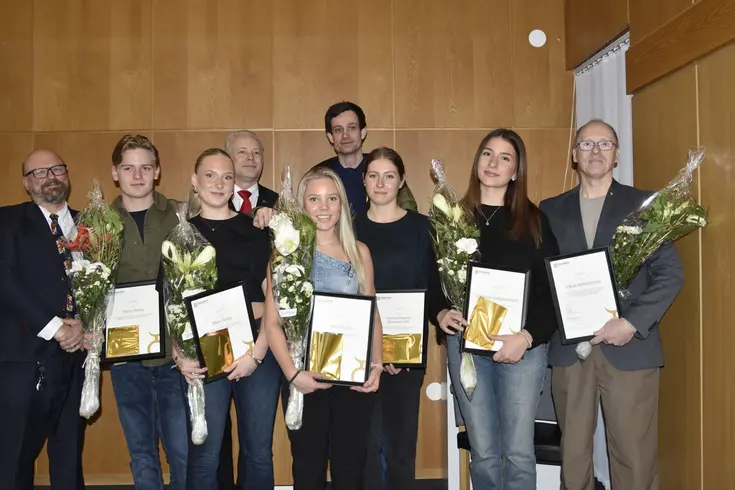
(345, 232)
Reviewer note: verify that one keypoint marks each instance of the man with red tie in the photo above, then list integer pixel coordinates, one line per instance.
(246, 151)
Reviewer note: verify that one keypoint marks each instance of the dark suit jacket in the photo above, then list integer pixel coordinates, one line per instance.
(652, 291)
(33, 284)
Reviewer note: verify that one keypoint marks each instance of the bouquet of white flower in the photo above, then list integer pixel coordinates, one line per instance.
(99, 240)
(455, 243)
(664, 217)
(189, 267)
(294, 235)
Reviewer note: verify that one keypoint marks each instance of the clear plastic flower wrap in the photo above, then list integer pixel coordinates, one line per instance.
(455, 236)
(294, 235)
(667, 215)
(98, 240)
(189, 267)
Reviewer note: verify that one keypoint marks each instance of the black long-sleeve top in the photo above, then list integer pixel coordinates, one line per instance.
(403, 257)
(242, 249)
(498, 248)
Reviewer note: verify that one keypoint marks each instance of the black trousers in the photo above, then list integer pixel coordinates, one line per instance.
(335, 428)
(29, 417)
(394, 429)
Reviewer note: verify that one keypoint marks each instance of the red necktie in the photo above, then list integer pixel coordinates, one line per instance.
(245, 207)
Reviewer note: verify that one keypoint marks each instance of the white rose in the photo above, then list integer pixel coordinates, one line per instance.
(287, 241)
(441, 204)
(466, 245)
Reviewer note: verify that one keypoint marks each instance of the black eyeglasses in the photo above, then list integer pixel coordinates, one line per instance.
(42, 173)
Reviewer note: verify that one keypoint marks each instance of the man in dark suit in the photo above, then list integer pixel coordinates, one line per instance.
(246, 151)
(623, 368)
(39, 341)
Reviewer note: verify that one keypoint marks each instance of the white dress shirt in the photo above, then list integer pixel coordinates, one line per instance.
(254, 193)
(68, 228)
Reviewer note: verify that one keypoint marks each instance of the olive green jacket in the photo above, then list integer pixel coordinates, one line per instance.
(141, 258)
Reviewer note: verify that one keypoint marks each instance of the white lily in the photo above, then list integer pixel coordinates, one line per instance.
(287, 240)
(441, 204)
(207, 254)
(169, 251)
(457, 213)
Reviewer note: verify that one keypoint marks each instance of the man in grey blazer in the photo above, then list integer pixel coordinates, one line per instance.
(622, 372)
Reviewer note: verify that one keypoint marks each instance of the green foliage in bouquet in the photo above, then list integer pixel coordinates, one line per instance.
(665, 217)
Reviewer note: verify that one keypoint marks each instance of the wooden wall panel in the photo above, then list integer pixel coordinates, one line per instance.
(453, 64)
(548, 161)
(16, 51)
(542, 87)
(663, 134)
(212, 64)
(591, 25)
(89, 156)
(717, 126)
(92, 66)
(180, 149)
(14, 148)
(646, 17)
(326, 51)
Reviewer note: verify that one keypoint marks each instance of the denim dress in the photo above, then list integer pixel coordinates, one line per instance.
(331, 275)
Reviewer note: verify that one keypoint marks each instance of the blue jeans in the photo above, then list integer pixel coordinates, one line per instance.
(256, 398)
(500, 418)
(150, 403)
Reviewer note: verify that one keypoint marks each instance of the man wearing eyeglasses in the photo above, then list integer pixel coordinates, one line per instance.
(622, 370)
(41, 342)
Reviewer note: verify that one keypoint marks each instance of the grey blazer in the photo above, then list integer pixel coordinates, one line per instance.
(652, 291)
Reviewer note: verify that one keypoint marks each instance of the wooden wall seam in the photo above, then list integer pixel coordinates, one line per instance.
(700, 29)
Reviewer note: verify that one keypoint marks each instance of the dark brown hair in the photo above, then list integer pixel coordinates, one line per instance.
(525, 216)
(133, 142)
(208, 153)
(388, 154)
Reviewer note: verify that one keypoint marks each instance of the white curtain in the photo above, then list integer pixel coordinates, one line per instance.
(600, 94)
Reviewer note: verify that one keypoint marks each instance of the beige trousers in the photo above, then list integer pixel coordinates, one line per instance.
(630, 407)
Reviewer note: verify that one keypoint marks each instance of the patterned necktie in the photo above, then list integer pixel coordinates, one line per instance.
(245, 207)
(65, 255)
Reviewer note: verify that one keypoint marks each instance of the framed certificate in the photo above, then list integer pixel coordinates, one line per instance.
(223, 327)
(495, 304)
(405, 327)
(340, 337)
(135, 324)
(584, 291)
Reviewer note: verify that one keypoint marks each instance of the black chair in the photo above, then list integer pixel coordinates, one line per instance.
(547, 438)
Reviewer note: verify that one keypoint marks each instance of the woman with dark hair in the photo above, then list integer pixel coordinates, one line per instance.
(254, 379)
(513, 233)
(403, 255)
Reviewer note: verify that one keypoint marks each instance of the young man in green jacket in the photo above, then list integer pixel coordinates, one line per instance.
(149, 394)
